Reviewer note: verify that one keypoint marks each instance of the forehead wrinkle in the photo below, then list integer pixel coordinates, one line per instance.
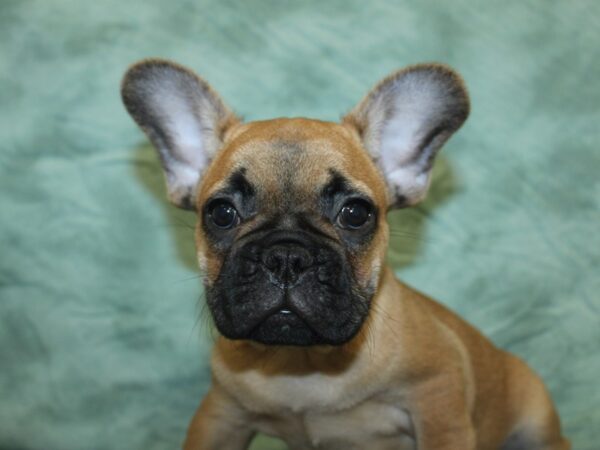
(283, 166)
(219, 182)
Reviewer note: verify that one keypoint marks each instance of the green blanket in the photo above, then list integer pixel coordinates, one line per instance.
(104, 343)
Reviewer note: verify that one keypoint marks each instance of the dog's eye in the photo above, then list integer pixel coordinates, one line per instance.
(223, 214)
(354, 214)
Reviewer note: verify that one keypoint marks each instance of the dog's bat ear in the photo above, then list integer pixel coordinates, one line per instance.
(182, 116)
(405, 120)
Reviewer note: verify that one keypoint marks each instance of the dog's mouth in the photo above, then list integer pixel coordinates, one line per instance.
(299, 316)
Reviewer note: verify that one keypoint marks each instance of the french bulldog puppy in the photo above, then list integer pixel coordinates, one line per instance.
(320, 345)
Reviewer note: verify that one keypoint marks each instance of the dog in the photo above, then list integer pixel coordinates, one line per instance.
(319, 344)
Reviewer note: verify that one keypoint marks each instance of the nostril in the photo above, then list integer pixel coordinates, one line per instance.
(299, 260)
(287, 262)
(295, 263)
(295, 269)
(272, 262)
(275, 258)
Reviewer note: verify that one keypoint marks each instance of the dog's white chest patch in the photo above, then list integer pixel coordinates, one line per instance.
(326, 412)
(376, 424)
(372, 424)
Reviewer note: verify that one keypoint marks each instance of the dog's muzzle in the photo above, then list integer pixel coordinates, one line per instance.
(287, 288)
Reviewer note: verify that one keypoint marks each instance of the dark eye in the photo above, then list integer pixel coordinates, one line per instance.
(223, 214)
(355, 214)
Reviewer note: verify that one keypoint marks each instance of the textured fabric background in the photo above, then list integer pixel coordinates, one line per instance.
(101, 345)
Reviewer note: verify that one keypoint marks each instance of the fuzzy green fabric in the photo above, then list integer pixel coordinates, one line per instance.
(101, 341)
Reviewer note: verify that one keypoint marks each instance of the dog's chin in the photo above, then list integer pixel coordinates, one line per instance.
(288, 328)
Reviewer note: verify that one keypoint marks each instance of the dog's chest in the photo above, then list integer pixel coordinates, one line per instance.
(372, 424)
(319, 412)
(359, 410)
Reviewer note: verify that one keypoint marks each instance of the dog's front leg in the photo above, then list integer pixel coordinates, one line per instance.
(441, 417)
(219, 424)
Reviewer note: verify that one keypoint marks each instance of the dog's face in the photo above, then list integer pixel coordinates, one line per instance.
(291, 231)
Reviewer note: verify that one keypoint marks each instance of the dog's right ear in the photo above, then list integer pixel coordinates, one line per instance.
(182, 116)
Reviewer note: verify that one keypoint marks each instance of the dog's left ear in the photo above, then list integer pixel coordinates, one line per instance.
(405, 120)
(182, 116)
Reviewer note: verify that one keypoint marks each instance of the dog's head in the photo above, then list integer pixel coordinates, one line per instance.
(292, 226)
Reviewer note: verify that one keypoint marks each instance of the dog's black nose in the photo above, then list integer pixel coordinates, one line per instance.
(286, 262)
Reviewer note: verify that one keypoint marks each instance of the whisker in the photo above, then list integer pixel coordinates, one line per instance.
(207, 323)
(370, 340)
(196, 322)
(195, 277)
(386, 318)
(181, 223)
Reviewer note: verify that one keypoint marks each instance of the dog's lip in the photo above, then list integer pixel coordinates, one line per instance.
(283, 311)
(284, 315)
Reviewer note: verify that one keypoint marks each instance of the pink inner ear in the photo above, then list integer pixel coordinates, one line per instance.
(399, 145)
(407, 118)
(179, 113)
(181, 124)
